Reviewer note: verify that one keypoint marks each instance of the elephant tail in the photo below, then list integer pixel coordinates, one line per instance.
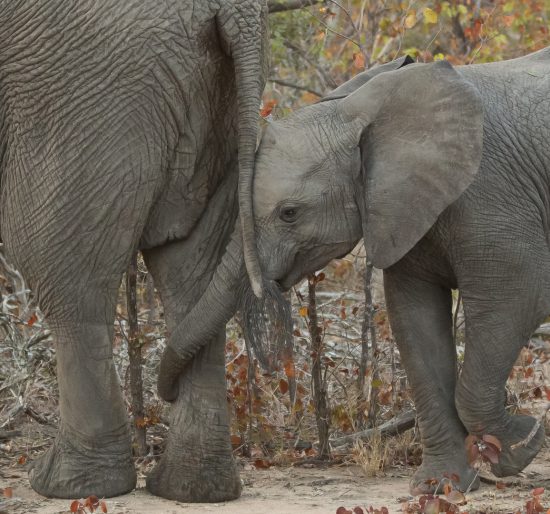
(243, 27)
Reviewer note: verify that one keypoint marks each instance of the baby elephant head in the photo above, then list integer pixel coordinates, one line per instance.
(380, 158)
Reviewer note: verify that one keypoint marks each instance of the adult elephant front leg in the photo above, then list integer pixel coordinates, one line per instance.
(197, 465)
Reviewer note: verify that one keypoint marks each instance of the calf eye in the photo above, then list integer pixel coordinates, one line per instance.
(288, 214)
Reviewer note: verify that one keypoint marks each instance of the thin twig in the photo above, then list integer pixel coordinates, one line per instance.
(296, 86)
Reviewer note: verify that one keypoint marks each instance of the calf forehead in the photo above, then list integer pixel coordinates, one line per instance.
(282, 164)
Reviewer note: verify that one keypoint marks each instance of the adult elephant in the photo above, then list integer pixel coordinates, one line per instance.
(445, 172)
(119, 129)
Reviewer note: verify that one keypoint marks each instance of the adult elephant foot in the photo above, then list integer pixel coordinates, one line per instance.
(199, 474)
(198, 464)
(75, 467)
(520, 443)
(435, 472)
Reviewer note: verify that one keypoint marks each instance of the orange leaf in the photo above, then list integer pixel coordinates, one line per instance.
(283, 386)
(290, 370)
(303, 311)
(8, 492)
(75, 506)
(22, 460)
(103, 506)
(501, 485)
(538, 491)
(268, 108)
(359, 60)
(32, 320)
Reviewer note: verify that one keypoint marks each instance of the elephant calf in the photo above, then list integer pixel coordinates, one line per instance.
(445, 172)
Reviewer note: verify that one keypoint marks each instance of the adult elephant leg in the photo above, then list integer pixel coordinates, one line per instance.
(92, 451)
(421, 318)
(197, 465)
(504, 302)
(72, 243)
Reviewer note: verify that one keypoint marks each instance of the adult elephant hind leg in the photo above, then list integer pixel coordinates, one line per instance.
(72, 249)
(91, 454)
(197, 465)
(501, 314)
(421, 318)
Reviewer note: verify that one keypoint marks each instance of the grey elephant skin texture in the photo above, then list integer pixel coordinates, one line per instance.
(120, 126)
(445, 174)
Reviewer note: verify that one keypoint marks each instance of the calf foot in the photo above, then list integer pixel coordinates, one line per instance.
(520, 444)
(435, 472)
(77, 467)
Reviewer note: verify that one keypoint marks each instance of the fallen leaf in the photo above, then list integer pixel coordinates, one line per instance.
(262, 464)
(456, 497)
(75, 506)
(343, 510)
(8, 492)
(491, 439)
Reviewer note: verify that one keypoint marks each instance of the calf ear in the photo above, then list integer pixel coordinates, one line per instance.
(421, 142)
(362, 78)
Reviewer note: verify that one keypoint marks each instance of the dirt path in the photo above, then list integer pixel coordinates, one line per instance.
(295, 490)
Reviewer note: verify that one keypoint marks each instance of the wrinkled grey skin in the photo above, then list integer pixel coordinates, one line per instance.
(446, 174)
(119, 129)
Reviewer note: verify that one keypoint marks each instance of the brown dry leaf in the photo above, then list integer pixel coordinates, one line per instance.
(455, 497)
(359, 60)
(75, 506)
(262, 464)
(8, 492)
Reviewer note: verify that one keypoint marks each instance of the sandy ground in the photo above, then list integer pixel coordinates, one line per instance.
(295, 490)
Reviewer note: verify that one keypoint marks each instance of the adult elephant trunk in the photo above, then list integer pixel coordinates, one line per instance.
(204, 320)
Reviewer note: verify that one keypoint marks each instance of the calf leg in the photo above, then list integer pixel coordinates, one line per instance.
(421, 318)
(501, 313)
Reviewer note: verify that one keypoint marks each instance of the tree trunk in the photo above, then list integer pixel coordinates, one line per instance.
(322, 413)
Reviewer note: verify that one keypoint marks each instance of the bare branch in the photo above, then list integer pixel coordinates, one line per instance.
(290, 5)
(296, 86)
